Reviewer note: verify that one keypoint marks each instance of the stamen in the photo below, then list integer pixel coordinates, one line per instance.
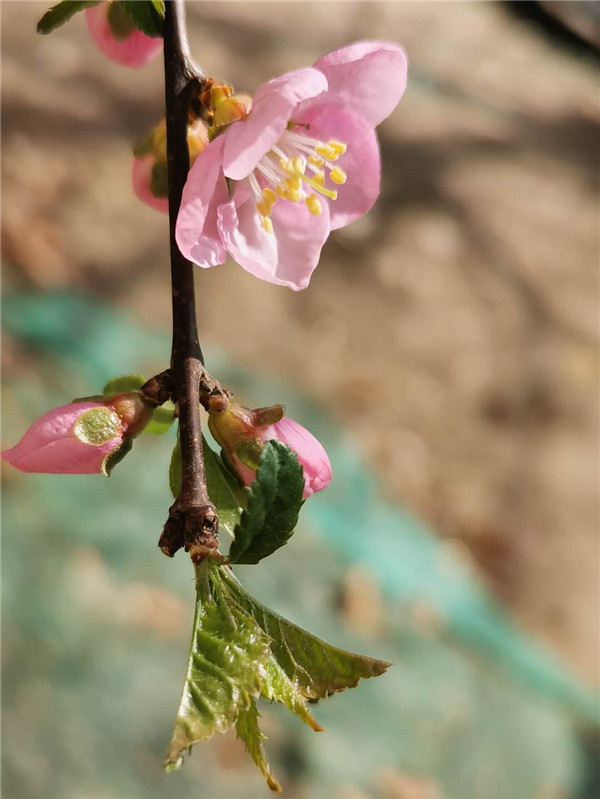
(314, 159)
(313, 204)
(321, 189)
(267, 225)
(339, 146)
(338, 175)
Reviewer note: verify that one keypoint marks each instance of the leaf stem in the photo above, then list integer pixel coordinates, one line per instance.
(193, 520)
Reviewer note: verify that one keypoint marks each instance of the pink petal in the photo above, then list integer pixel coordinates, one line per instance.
(136, 50)
(285, 257)
(310, 452)
(197, 234)
(140, 177)
(368, 78)
(49, 445)
(361, 162)
(272, 106)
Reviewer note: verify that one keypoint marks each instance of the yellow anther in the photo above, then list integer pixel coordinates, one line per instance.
(338, 175)
(313, 204)
(264, 209)
(298, 165)
(313, 159)
(326, 151)
(321, 189)
(269, 196)
(293, 184)
(267, 224)
(286, 165)
(293, 195)
(320, 178)
(338, 146)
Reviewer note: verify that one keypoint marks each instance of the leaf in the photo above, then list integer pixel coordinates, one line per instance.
(147, 15)
(273, 506)
(162, 419)
(119, 385)
(316, 667)
(175, 469)
(228, 653)
(224, 490)
(61, 13)
(116, 456)
(248, 730)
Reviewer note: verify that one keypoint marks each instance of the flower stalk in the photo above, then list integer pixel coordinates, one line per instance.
(193, 521)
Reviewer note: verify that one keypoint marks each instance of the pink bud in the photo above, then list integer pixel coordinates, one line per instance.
(242, 433)
(80, 438)
(118, 38)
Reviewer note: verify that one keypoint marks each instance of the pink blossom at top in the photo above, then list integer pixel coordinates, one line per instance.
(310, 452)
(134, 50)
(305, 161)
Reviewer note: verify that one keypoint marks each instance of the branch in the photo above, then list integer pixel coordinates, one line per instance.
(193, 520)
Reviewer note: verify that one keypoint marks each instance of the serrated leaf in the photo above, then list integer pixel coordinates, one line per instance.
(317, 668)
(162, 419)
(224, 490)
(228, 653)
(147, 15)
(119, 385)
(273, 506)
(61, 13)
(248, 730)
(175, 469)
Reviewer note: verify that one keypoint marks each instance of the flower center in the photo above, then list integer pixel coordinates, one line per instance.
(296, 169)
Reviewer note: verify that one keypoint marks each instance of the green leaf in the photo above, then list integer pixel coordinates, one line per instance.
(224, 490)
(147, 15)
(145, 147)
(61, 13)
(273, 506)
(120, 23)
(314, 666)
(248, 730)
(162, 419)
(119, 385)
(228, 653)
(159, 179)
(175, 469)
(116, 456)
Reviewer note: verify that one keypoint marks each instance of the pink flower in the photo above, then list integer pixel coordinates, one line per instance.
(242, 433)
(118, 38)
(303, 162)
(82, 437)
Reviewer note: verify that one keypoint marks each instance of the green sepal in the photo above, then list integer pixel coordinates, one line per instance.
(145, 147)
(119, 21)
(147, 15)
(159, 179)
(61, 13)
(116, 456)
(162, 419)
(119, 385)
(175, 469)
(273, 506)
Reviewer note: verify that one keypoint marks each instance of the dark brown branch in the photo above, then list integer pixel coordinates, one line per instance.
(193, 521)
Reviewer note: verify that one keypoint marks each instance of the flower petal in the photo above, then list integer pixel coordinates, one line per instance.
(205, 189)
(136, 50)
(285, 257)
(311, 453)
(368, 78)
(361, 162)
(141, 172)
(248, 140)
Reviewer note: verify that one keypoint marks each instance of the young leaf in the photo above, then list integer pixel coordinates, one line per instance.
(273, 506)
(228, 653)
(118, 385)
(147, 15)
(224, 490)
(61, 13)
(162, 419)
(248, 730)
(315, 667)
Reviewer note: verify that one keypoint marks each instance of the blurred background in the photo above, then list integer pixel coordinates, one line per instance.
(445, 352)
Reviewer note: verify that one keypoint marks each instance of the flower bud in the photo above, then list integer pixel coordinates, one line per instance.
(228, 107)
(149, 171)
(83, 437)
(243, 432)
(117, 37)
